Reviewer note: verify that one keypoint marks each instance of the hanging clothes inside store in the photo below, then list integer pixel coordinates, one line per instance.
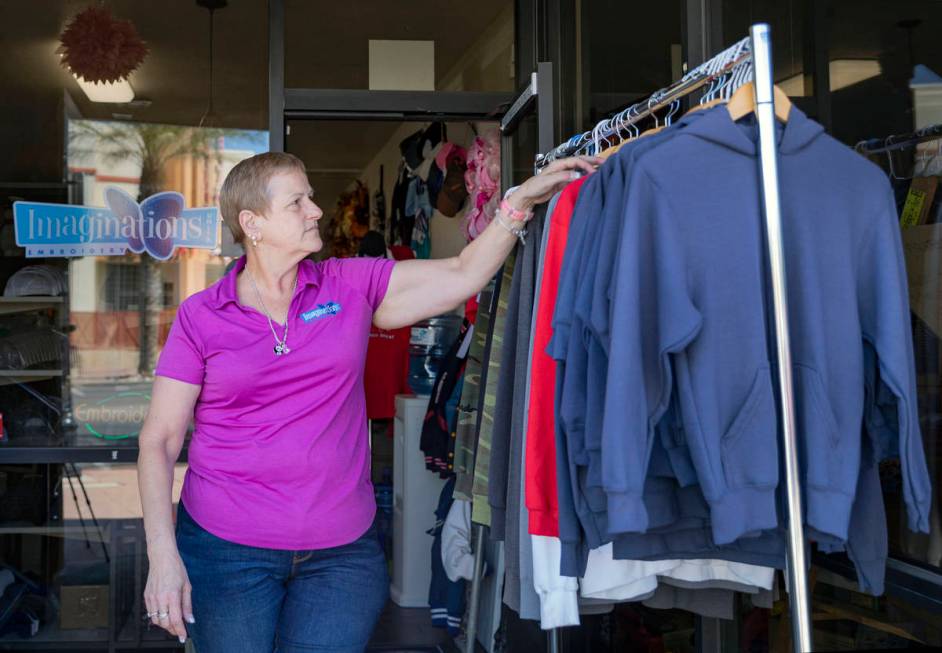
(447, 587)
(633, 437)
(430, 179)
(439, 427)
(387, 354)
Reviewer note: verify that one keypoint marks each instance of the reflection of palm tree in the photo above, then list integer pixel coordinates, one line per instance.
(152, 147)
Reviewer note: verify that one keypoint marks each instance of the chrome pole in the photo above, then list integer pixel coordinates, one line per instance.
(475, 599)
(553, 643)
(768, 171)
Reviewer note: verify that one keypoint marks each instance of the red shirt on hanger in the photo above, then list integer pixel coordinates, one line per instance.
(387, 370)
(541, 498)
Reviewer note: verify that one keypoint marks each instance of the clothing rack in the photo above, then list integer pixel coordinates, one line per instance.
(899, 141)
(720, 65)
(755, 51)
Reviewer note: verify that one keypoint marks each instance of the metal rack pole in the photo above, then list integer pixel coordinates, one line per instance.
(768, 170)
(553, 640)
(475, 598)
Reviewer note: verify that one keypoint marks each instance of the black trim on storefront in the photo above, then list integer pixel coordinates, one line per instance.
(702, 30)
(276, 75)
(317, 104)
(73, 454)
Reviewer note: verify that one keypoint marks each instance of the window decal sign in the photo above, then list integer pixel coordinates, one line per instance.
(157, 226)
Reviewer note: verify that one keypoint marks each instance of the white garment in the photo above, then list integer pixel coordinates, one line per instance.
(620, 580)
(628, 580)
(559, 600)
(425, 168)
(457, 557)
(625, 580)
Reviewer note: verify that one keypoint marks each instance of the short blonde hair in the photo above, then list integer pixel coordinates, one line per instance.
(246, 186)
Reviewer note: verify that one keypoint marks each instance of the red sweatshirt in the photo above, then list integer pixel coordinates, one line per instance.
(541, 498)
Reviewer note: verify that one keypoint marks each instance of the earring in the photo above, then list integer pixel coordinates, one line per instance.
(254, 240)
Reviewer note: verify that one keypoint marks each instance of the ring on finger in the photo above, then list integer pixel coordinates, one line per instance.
(151, 615)
(163, 615)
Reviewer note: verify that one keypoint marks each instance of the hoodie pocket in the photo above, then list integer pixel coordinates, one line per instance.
(750, 445)
(818, 434)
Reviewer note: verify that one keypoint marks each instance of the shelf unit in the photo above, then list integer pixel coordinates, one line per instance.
(127, 570)
(14, 305)
(12, 377)
(33, 537)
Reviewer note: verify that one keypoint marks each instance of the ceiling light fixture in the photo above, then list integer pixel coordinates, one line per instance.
(101, 51)
(114, 92)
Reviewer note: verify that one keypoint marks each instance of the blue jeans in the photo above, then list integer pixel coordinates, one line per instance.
(252, 600)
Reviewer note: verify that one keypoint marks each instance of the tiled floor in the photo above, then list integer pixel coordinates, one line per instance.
(405, 630)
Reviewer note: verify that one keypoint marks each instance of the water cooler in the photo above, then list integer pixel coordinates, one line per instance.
(415, 498)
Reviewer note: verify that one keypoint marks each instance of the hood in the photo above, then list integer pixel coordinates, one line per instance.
(718, 127)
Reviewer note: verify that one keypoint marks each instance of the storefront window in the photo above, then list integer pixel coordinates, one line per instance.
(787, 20)
(523, 149)
(626, 51)
(391, 46)
(894, 47)
(881, 63)
(122, 306)
(898, 44)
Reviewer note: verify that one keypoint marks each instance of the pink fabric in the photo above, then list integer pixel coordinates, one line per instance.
(279, 457)
(482, 180)
(448, 152)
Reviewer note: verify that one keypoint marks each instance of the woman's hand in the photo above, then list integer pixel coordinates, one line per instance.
(422, 288)
(553, 178)
(167, 594)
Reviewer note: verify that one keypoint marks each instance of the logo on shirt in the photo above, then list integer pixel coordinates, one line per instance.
(322, 310)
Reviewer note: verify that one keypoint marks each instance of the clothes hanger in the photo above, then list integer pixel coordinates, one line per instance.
(705, 105)
(597, 138)
(890, 161)
(620, 124)
(743, 102)
(657, 122)
(630, 123)
(672, 111)
(707, 101)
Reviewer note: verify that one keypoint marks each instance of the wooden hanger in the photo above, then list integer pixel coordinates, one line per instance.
(605, 154)
(704, 106)
(653, 130)
(743, 102)
(609, 151)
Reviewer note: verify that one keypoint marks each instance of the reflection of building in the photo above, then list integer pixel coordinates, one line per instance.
(107, 292)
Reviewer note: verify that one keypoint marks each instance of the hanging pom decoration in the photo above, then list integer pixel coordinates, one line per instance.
(100, 48)
(482, 180)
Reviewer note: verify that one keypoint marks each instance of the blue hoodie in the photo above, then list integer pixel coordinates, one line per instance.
(589, 262)
(681, 523)
(691, 287)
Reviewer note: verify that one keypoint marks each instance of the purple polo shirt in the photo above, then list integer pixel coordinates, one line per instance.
(280, 457)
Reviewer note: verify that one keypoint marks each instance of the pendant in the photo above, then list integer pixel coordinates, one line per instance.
(279, 349)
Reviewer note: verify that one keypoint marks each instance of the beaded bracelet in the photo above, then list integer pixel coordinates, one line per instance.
(519, 233)
(515, 214)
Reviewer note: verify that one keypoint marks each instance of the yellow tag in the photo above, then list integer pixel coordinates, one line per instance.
(912, 210)
(919, 201)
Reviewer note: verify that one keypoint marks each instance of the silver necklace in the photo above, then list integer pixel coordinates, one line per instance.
(281, 344)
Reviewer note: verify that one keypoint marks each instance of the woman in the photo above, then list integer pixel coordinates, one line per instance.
(273, 547)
